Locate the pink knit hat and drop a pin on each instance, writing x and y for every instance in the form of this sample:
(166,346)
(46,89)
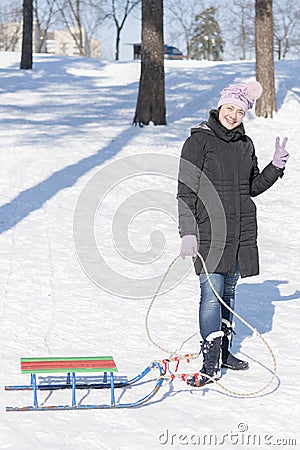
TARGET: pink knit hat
(242,95)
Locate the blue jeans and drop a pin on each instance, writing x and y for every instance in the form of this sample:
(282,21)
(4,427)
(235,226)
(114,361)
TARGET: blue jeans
(211,311)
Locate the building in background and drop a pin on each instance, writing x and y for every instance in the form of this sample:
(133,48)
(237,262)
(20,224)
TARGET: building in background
(11,37)
(61,42)
(58,42)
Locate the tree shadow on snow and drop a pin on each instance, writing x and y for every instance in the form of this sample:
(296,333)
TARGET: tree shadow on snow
(48,78)
(34,197)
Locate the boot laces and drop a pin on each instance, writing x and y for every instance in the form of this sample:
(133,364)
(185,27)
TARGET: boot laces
(205,347)
(228,330)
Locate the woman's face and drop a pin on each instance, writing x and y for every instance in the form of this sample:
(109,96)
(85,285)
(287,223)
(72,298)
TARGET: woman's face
(231,116)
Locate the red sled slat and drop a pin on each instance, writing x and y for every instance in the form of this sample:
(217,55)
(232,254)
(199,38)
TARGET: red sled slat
(67,364)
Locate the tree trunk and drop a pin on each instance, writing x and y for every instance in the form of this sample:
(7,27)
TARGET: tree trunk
(151,104)
(264,49)
(244,35)
(117,49)
(26,58)
(279,49)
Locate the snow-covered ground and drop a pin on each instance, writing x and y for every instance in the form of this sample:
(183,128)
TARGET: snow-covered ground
(82,192)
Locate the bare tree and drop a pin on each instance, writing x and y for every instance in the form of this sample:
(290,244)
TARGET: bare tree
(286,27)
(151,104)
(264,49)
(9,36)
(183,16)
(10,26)
(242,35)
(26,57)
(81,18)
(43,14)
(118,11)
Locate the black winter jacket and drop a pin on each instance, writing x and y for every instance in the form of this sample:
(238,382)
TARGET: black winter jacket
(218,175)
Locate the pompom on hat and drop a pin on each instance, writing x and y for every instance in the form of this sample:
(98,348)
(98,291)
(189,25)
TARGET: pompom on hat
(242,95)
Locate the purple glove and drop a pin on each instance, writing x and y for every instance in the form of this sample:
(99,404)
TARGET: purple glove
(189,246)
(280,155)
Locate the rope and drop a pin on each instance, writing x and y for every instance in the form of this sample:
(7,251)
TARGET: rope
(152,303)
(189,356)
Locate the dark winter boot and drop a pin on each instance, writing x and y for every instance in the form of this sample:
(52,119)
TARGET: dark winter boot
(211,349)
(228,360)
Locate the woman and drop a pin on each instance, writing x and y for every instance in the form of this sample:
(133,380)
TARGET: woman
(218,175)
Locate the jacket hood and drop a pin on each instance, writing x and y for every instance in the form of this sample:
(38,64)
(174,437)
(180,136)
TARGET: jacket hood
(214,126)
